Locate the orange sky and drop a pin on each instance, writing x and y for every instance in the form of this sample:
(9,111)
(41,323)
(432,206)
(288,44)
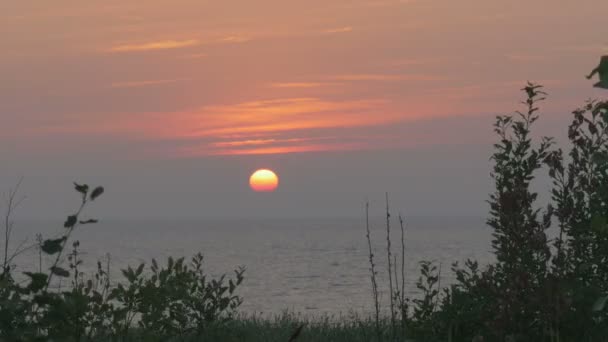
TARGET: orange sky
(239,77)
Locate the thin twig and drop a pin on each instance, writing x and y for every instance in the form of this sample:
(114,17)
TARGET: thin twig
(11,205)
(402,299)
(20,249)
(395,270)
(388,254)
(39,240)
(373,275)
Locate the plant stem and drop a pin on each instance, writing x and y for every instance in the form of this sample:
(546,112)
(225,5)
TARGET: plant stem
(11,204)
(373,276)
(65,240)
(402,299)
(388,254)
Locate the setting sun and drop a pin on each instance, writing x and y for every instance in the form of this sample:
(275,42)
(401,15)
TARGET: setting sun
(264,180)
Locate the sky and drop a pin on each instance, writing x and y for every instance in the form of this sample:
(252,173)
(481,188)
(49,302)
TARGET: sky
(171,105)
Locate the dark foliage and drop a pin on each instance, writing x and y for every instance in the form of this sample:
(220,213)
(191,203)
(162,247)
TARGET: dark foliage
(177,300)
(538,289)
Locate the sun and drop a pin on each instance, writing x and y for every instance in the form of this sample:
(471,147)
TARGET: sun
(264,180)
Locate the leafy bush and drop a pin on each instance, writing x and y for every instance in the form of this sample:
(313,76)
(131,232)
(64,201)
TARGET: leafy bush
(538,289)
(174,301)
(177,300)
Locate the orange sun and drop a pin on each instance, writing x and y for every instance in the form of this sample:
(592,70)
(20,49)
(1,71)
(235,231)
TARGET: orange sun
(264,180)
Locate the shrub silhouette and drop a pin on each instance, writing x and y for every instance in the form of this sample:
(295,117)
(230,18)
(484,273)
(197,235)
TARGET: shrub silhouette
(538,289)
(170,301)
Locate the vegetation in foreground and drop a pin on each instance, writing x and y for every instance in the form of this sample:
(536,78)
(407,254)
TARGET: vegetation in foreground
(539,288)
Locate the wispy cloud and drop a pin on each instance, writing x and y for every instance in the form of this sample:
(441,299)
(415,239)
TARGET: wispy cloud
(249,142)
(386,77)
(300,84)
(235,39)
(156,45)
(195,55)
(270,146)
(284,115)
(280,149)
(280,126)
(376,3)
(261,142)
(284,125)
(178,44)
(137,84)
(339,30)
(340,80)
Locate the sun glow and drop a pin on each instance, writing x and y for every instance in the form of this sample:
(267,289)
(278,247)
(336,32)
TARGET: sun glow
(264,180)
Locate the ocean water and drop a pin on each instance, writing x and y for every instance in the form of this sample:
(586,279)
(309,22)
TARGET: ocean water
(311,266)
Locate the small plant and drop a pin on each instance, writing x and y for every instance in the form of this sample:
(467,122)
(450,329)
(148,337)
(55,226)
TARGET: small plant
(176,300)
(423,321)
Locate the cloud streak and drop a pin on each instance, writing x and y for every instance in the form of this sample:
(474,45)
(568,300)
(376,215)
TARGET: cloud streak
(195,55)
(290,114)
(386,77)
(138,84)
(235,39)
(300,84)
(345,29)
(156,45)
(285,125)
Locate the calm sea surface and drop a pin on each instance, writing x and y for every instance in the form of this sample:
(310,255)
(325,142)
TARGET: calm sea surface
(312,266)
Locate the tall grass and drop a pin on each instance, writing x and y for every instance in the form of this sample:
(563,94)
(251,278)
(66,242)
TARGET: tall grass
(321,328)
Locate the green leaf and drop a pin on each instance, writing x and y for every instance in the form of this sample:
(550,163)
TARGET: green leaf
(97,192)
(38,281)
(129,274)
(600,303)
(60,271)
(139,270)
(82,188)
(70,221)
(52,246)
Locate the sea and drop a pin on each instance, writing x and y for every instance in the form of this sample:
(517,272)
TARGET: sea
(315,267)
